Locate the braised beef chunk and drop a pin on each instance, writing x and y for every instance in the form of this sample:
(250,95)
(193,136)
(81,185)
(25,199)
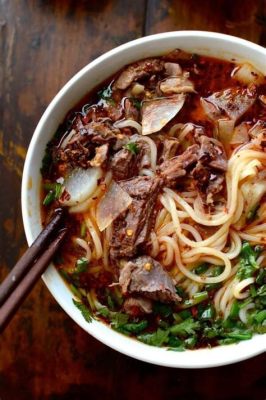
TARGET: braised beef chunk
(130,111)
(137,305)
(209,162)
(125,164)
(76,154)
(177,167)
(138,70)
(132,228)
(101,154)
(209,171)
(208,183)
(102,132)
(98,132)
(145,276)
(80,147)
(212,153)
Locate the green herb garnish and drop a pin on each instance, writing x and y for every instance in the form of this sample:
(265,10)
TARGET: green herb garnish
(261,277)
(208,313)
(215,271)
(234,312)
(162,309)
(196,299)
(75,291)
(132,147)
(136,103)
(84,310)
(136,327)
(54,192)
(157,338)
(260,316)
(46,161)
(200,269)
(106,94)
(248,264)
(239,335)
(185,328)
(261,292)
(191,342)
(49,198)
(81,265)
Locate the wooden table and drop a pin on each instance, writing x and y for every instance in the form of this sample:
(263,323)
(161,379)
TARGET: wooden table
(43,353)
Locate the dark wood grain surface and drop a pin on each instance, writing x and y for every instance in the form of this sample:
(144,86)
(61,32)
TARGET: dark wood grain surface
(43,353)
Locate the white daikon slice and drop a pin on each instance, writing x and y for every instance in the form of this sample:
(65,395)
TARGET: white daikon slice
(113,203)
(80,185)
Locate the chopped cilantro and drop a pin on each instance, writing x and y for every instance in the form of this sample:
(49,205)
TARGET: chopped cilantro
(215,271)
(132,147)
(118,319)
(211,332)
(157,338)
(54,193)
(185,328)
(196,299)
(261,277)
(81,265)
(75,291)
(49,198)
(136,103)
(180,292)
(106,94)
(260,316)
(234,312)
(190,342)
(207,313)
(175,342)
(200,269)
(84,310)
(162,309)
(136,327)
(262,291)
(110,302)
(239,335)
(104,312)
(248,264)
(260,328)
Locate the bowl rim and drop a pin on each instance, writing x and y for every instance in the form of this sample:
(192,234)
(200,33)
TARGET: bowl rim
(139,350)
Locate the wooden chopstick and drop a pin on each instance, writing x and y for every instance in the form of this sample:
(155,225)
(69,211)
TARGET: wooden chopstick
(25,262)
(32,267)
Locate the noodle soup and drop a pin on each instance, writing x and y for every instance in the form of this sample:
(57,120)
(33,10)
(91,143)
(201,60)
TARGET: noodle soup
(161,171)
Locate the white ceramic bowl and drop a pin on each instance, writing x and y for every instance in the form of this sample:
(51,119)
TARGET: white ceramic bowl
(205,43)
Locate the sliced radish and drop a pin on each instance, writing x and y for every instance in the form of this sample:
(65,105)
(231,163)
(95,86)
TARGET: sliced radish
(114,202)
(80,185)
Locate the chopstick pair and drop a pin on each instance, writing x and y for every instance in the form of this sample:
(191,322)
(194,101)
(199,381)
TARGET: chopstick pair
(21,279)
